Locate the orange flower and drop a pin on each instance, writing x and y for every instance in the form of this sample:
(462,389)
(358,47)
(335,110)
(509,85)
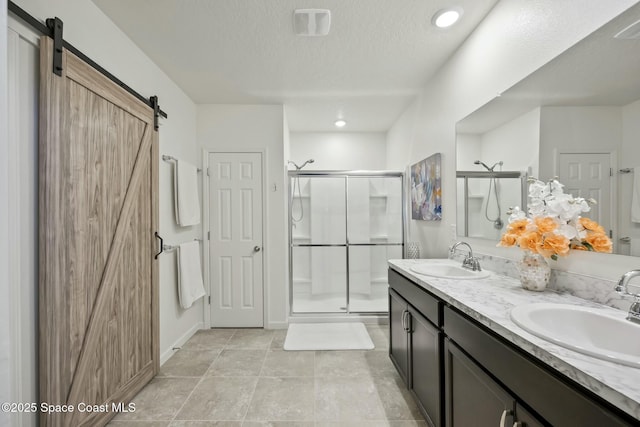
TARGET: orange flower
(545,224)
(508,239)
(591,225)
(555,244)
(518,227)
(530,241)
(579,248)
(599,242)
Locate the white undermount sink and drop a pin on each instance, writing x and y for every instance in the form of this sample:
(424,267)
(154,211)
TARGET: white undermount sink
(447,269)
(590,331)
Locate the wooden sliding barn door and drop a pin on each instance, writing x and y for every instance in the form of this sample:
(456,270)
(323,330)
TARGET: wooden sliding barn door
(98,213)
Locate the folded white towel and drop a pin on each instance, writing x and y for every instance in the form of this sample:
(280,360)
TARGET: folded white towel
(635,197)
(186,193)
(634,247)
(190,284)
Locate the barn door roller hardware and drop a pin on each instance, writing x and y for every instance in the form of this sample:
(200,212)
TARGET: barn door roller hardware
(55,26)
(157,112)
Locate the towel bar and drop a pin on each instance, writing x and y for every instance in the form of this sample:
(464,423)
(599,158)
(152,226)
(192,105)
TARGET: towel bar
(168,248)
(173,159)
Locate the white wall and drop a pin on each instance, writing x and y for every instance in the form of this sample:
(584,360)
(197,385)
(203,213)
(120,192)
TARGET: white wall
(577,128)
(5,392)
(89,30)
(258,127)
(339,150)
(515,39)
(516,143)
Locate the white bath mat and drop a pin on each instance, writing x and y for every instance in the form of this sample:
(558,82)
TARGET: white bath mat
(327,336)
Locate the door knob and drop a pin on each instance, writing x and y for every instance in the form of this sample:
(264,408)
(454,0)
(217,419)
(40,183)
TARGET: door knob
(256,249)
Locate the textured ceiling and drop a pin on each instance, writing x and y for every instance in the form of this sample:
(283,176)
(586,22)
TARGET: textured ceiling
(599,70)
(377,56)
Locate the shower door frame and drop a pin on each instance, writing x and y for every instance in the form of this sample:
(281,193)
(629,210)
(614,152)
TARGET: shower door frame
(346,175)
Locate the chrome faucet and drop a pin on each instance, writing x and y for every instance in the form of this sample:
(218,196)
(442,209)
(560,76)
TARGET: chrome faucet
(622,289)
(470,262)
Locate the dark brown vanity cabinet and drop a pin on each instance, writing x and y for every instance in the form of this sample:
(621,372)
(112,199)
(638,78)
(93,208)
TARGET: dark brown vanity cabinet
(398,336)
(463,374)
(556,400)
(473,398)
(416,346)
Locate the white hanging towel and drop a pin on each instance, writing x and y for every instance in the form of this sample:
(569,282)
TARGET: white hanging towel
(186,193)
(190,284)
(635,197)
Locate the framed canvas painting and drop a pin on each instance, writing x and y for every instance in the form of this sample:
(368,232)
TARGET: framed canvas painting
(426,189)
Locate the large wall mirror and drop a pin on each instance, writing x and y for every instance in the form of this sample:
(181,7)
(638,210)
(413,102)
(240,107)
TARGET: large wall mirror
(577,118)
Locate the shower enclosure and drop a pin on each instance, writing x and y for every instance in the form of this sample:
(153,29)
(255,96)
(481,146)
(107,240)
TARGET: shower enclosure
(343,227)
(484,199)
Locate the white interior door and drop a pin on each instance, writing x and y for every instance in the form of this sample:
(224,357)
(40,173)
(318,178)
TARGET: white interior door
(588,175)
(235,247)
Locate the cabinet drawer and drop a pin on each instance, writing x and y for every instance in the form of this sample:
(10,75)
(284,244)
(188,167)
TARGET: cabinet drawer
(558,400)
(424,302)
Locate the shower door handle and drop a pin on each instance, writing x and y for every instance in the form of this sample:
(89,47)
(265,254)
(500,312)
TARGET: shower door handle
(256,248)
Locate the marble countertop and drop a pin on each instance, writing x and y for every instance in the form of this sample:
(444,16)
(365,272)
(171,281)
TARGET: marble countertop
(489,301)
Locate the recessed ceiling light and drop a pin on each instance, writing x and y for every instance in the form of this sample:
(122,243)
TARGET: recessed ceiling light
(446,17)
(340,123)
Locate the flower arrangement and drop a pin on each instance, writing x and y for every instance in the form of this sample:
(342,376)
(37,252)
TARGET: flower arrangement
(554,224)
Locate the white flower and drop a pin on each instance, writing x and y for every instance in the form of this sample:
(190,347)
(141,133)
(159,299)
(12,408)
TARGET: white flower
(516,214)
(567,230)
(555,188)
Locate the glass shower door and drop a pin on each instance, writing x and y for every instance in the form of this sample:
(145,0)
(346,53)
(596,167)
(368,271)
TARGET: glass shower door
(375,235)
(318,244)
(344,227)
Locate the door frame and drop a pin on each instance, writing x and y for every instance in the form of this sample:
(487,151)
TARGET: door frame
(206,227)
(613,182)
(23,338)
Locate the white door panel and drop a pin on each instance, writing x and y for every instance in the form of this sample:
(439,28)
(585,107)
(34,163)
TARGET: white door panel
(236,261)
(588,175)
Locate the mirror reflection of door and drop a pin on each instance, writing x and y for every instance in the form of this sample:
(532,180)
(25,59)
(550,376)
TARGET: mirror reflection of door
(588,175)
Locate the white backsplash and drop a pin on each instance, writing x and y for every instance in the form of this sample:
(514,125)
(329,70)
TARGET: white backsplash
(583,286)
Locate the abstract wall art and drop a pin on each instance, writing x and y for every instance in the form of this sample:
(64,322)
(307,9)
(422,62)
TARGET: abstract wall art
(426,189)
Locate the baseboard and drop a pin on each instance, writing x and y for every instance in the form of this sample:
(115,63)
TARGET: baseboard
(166,355)
(277,325)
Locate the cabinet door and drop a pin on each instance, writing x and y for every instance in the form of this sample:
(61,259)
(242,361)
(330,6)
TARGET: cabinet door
(426,372)
(399,342)
(472,397)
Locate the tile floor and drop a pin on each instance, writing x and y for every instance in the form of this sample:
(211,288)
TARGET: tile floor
(243,378)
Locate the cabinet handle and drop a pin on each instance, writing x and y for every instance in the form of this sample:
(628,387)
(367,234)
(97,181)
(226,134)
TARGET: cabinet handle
(406,320)
(503,418)
(404,314)
(519,424)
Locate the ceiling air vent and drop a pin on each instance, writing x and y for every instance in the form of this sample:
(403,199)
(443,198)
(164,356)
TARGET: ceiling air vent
(311,22)
(631,32)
